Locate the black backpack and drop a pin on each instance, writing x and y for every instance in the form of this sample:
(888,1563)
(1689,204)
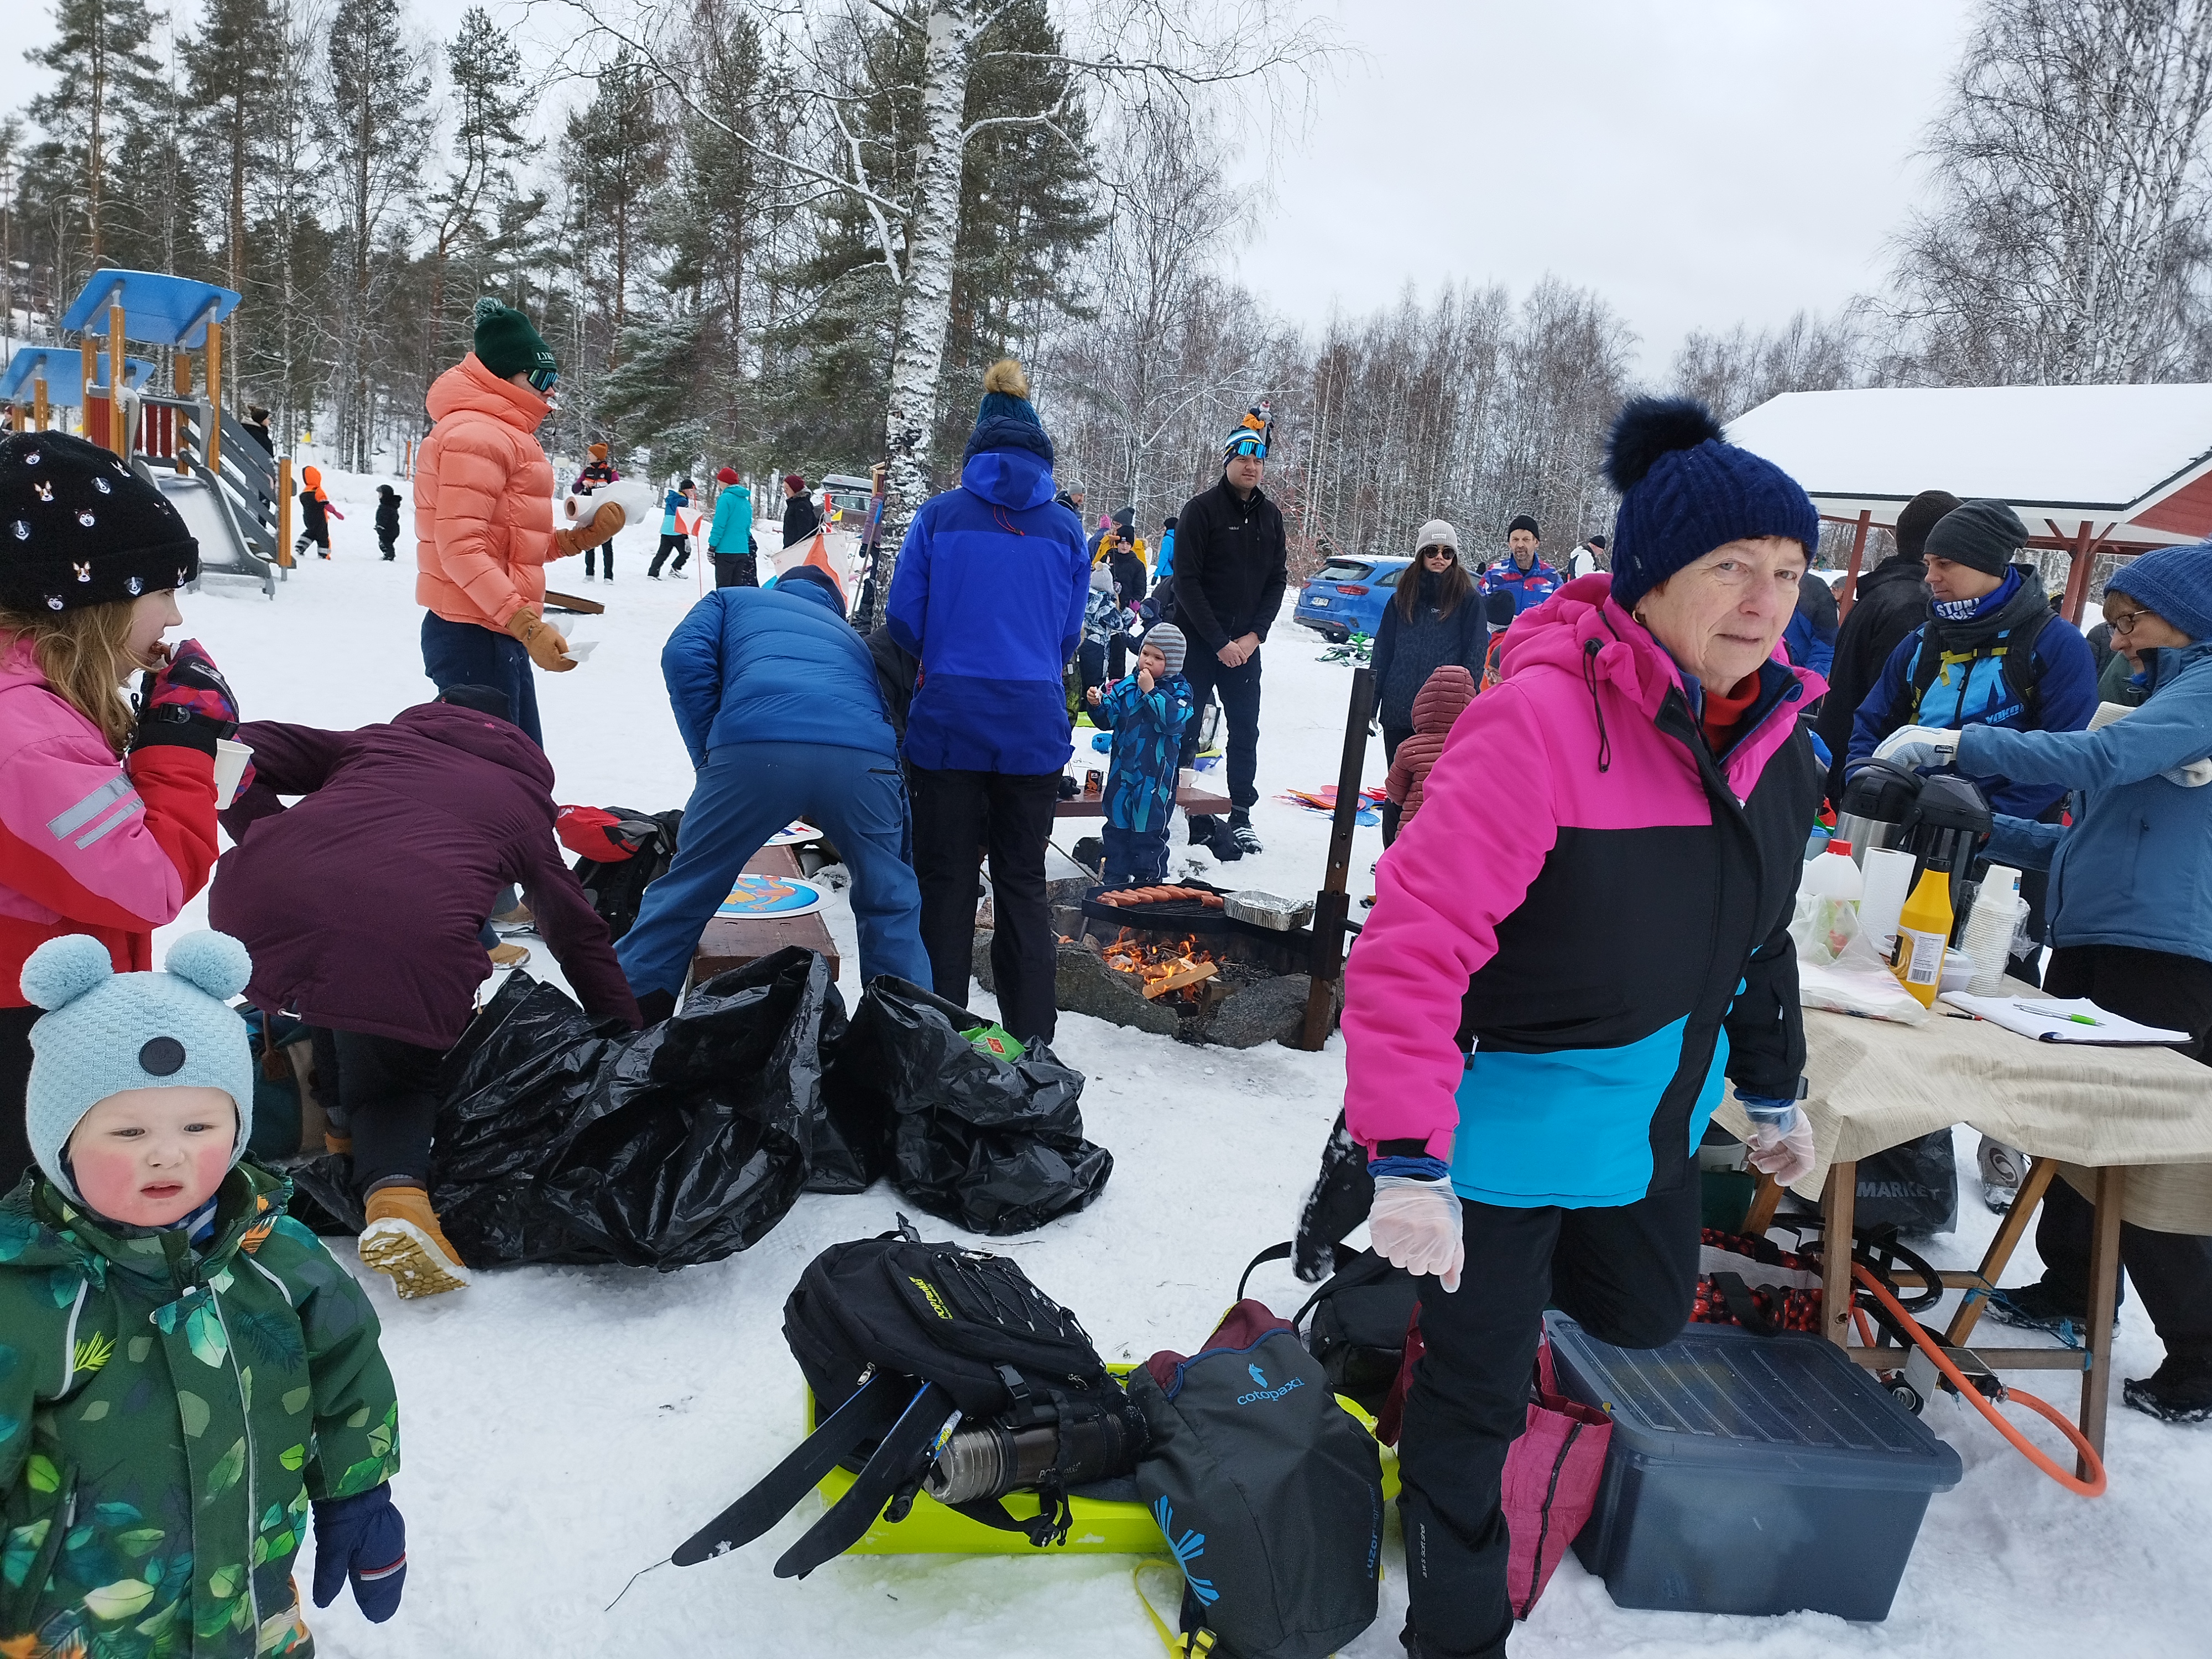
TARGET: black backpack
(616,886)
(952,1365)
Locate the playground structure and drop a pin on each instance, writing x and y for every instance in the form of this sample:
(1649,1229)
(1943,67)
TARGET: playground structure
(233,496)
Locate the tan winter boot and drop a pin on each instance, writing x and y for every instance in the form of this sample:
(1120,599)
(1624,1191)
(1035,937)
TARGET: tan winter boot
(504,955)
(403,1238)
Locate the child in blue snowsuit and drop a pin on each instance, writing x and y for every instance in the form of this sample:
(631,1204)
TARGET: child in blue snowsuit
(672,538)
(1146,713)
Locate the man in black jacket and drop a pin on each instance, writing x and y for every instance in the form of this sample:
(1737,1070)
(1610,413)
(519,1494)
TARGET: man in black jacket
(1231,564)
(1891,602)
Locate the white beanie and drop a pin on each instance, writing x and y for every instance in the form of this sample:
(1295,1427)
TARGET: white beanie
(1436,533)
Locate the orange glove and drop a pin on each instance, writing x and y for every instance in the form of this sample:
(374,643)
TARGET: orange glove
(542,642)
(604,526)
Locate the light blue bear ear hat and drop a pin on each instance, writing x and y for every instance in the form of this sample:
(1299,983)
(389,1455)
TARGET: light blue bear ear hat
(104,1032)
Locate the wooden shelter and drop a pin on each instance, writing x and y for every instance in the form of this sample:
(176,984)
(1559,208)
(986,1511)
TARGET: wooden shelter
(2089,469)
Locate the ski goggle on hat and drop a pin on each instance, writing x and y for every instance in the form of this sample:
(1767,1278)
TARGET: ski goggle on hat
(1248,443)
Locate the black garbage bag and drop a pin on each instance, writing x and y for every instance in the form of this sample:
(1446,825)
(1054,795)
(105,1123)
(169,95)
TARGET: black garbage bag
(559,1140)
(993,1145)
(1912,1187)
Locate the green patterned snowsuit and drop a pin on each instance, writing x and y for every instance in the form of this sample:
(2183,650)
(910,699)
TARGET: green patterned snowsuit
(166,1417)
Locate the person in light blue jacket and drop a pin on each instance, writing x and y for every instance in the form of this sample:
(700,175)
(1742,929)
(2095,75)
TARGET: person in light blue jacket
(2130,925)
(777,701)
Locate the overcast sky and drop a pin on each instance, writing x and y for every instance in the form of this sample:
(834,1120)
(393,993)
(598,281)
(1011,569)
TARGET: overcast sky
(1700,162)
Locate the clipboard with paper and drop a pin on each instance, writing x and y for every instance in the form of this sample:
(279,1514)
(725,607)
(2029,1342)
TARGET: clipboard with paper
(2068,1019)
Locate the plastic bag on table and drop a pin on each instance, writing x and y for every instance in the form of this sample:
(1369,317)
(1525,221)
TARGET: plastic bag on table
(1824,927)
(1846,988)
(993,1145)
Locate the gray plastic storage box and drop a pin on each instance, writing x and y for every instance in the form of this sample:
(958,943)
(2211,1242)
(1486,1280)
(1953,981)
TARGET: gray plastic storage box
(1749,1474)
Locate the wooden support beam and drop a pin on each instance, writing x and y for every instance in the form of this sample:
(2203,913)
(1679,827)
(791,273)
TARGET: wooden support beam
(182,361)
(2077,574)
(284,511)
(1849,592)
(88,355)
(1838,1209)
(1332,905)
(2103,1308)
(213,459)
(119,425)
(41,409)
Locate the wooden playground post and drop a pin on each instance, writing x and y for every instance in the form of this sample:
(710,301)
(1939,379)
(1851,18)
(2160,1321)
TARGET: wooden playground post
(40,409)
(183,364)
(89,353)
(118,427)
(284,511)
(214,456)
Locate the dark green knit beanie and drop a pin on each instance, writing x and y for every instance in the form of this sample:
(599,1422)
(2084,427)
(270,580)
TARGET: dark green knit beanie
(506,345)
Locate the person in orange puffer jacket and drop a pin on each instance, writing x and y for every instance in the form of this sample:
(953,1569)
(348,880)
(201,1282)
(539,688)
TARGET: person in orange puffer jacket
(483,517)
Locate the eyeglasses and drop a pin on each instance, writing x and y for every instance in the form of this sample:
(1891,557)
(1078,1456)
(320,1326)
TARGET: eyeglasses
(2126,621)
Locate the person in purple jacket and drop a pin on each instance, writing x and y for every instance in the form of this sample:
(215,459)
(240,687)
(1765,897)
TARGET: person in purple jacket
(360,905)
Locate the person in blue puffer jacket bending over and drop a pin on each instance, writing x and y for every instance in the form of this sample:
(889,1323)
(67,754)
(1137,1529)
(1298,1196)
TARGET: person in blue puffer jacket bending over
(988,593)
(777,700)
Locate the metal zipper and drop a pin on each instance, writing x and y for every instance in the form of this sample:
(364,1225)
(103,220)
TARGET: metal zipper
(252,1500)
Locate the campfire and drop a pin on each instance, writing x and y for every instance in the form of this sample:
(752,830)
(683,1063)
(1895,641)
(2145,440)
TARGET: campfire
(1164,968)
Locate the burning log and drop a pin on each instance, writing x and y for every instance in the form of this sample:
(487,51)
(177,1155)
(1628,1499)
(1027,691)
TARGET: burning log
(1170,969)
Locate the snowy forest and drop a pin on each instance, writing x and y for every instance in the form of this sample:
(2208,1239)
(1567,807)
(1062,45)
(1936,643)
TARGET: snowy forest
(791,233)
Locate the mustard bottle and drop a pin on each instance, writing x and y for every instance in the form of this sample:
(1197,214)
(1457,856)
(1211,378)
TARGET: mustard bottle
(1923,929)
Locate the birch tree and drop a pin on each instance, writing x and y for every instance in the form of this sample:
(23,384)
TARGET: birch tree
(2069,242)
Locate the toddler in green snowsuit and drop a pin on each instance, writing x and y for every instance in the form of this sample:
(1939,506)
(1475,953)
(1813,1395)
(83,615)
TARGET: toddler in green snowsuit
(184,1371)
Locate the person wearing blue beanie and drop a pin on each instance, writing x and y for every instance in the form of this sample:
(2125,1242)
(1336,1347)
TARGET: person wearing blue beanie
(2131,926)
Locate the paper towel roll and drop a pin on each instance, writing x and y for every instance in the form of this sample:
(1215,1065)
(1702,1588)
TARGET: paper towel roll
(1888,875)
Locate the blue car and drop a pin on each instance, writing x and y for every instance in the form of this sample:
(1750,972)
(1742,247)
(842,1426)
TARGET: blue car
(1347,595)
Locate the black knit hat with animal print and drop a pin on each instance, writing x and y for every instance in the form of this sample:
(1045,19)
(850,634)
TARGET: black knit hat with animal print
(79,528)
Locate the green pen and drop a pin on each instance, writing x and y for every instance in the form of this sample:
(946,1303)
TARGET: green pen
(2078,1019)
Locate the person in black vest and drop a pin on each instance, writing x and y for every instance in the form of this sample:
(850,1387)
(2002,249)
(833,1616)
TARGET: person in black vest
(1231,565)
(801,518)
(1892,600)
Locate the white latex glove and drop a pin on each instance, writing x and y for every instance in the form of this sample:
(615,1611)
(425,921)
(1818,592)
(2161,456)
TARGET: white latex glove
(1919,745)
(1414,1224)
(1781,1145)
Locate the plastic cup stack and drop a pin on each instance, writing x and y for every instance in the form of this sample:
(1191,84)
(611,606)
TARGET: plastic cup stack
(1990,926)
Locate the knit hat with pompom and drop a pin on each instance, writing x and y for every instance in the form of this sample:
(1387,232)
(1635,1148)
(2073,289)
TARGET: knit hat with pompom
(1006,419)
(1684,490)
(104,1032)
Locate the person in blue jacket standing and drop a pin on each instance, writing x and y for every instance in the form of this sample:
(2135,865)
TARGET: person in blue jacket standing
(672,538)
(777,701)
(989,594)
(1810,639)
(1990,653)
(730,538)
(2130,925)
(1521,573)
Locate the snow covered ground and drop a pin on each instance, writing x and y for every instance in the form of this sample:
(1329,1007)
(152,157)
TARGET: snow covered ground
(564,1427)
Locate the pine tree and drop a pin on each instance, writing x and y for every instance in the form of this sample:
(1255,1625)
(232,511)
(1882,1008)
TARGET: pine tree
(489,141)
(615,159)
(233,87)
(103,73)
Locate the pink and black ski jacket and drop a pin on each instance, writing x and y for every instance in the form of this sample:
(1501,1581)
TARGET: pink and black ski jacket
(1587,928)
(90,844)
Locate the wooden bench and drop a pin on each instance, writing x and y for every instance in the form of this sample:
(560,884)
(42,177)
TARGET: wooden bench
(1193,800)
(730,942)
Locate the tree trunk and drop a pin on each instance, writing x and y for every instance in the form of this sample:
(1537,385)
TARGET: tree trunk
(925,304)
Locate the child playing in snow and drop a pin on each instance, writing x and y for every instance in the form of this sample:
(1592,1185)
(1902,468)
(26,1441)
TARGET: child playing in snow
(316,512)
(1443,698)
(388,521)
(672,538)
(91,841)
(599,471)
(1146,713)
(190,1373)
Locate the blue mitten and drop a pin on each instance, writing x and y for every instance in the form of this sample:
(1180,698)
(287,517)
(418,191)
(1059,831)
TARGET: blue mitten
(362,1538)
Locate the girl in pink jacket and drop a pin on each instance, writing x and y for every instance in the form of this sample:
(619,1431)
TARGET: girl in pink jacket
(1583,936)
(106,817)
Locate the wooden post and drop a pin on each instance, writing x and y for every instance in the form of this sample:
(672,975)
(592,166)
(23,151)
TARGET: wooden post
(284,511)
(89,353)
(119,425)
(1851,568)
(184,365)
(1333,905)
(41,410)
(1839,1208)
(213,459)
(2077,573)
(2103,1307)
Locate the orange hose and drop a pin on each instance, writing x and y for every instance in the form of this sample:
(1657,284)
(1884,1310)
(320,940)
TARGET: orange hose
(2093,1487)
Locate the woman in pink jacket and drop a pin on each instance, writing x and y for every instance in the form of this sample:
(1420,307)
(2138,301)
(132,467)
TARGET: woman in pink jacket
(106,817)
(1583,932)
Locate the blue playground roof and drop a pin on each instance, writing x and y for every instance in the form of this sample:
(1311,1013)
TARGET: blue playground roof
(63,367)
(170,311)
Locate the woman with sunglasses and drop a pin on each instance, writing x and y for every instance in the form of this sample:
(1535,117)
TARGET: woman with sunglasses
(2131,924)
(1435,618)
(483,517)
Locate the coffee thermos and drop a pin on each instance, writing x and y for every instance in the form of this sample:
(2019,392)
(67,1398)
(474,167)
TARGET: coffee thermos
(1877,803)
(1950,820)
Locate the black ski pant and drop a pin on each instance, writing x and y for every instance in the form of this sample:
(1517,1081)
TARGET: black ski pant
(386,1097)
(1240,704)
(389,544)
(679,546)
(955,814)
(2172,1272)
(1392,737)
(603,550)
(736,570)
(1628,1274)
(15,1090)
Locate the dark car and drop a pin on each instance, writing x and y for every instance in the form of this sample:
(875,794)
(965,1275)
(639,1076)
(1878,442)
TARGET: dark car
(1347,596)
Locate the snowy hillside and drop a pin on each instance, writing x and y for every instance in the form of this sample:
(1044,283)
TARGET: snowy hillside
(564,1427)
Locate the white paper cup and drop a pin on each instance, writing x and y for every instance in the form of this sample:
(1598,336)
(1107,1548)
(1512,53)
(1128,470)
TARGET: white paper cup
(230,760)
(581,649)
(1187,778)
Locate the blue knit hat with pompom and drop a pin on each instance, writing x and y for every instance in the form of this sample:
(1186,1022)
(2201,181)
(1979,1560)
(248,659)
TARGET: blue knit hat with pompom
(2174,581)
(104,1032)
(1684,490)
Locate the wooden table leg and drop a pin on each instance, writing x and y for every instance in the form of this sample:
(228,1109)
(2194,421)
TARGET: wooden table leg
(2104,1304)
(1766,1199)
(1839,1206)
(2010,1231)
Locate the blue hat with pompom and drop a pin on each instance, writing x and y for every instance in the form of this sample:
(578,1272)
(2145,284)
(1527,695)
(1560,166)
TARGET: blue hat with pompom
(1684,490)
(104,1032)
